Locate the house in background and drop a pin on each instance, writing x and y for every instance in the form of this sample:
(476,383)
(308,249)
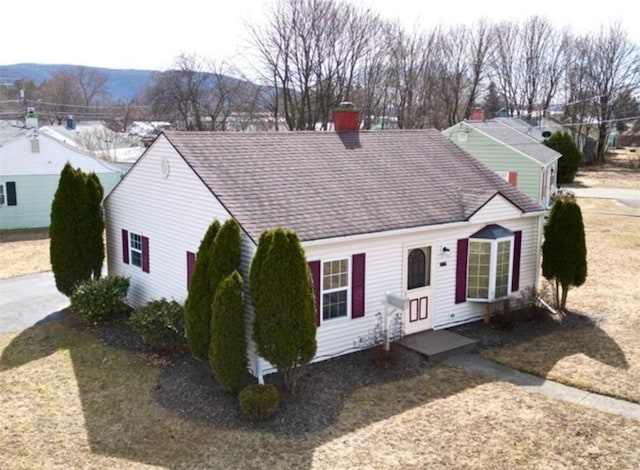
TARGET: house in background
(514,150)
(30,167)
(405,212)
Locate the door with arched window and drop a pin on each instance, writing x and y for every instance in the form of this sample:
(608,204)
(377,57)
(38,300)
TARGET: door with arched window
(418,289)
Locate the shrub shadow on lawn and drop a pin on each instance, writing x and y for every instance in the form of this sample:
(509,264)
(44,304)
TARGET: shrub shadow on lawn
(107,358)
(577,333)
(184,386)
(187,387)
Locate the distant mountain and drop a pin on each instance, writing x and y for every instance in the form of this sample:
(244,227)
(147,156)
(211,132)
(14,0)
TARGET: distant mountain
(122,86)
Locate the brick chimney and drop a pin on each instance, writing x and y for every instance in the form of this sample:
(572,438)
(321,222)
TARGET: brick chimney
(477,114)
(346,117)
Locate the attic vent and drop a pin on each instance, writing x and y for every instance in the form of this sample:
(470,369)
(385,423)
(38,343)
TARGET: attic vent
(35,145)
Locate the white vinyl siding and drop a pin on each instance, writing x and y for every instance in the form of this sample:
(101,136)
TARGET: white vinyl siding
(173,212)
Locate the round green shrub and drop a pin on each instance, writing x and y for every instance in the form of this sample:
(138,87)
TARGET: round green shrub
(259,402)
(101,299)
(160,323)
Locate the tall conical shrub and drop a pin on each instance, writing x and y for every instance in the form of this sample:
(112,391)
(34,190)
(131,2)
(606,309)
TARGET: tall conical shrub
(75,235)
(284,326)
(228,350)
(564,250)
(95,225)
(197,309)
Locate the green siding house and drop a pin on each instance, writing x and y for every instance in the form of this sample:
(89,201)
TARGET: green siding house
(30,167)
(514,150)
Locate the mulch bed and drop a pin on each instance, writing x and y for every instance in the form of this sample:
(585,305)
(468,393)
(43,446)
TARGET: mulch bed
(187,387)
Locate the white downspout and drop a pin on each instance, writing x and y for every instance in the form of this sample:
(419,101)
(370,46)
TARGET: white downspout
(259,374)
(539,252)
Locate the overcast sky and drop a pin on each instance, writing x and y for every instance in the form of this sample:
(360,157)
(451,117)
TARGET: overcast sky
(142,34)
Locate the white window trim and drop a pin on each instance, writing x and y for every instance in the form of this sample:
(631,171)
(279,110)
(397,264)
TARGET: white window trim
(493,267)
(3,199)
(133,250)
(328,291)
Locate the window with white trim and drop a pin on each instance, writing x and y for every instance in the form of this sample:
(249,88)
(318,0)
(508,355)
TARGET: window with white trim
(335,289)
(135,247)
(1,194)
(489,266)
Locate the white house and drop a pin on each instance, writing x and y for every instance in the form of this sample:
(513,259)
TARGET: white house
(404,212)
(30,167)
(515,150)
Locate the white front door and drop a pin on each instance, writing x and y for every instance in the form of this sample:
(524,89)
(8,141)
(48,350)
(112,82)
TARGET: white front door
(418,316)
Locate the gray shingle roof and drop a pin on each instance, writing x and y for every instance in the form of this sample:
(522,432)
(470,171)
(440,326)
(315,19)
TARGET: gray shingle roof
(513,132)
(327,184)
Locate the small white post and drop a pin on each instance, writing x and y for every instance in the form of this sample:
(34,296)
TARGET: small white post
(386,327)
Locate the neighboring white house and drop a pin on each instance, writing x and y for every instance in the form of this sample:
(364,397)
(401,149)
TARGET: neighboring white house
(30,167)
(402,211)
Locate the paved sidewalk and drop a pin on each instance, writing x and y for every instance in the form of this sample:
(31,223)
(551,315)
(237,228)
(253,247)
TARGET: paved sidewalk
(495,371)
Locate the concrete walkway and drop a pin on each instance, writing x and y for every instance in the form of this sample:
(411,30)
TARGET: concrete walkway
(495,371)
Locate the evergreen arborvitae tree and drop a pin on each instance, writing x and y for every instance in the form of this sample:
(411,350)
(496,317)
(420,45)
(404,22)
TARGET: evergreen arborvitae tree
(95,223)
(564,250)
(73,229)
(197,308)
(569,163)
(228,350)
(224,254)
(284,326)
(256,287)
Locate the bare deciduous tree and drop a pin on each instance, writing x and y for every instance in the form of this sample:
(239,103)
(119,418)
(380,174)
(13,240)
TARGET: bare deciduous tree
(92,83)
(613,69)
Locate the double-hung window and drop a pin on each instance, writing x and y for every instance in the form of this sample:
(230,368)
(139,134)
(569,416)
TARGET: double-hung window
(135,246)
(135,250)
(335,289)
(490,261)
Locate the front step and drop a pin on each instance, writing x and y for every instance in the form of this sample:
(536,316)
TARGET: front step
(438,344)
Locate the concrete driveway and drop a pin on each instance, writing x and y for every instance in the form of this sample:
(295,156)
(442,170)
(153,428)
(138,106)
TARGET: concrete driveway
(26,300)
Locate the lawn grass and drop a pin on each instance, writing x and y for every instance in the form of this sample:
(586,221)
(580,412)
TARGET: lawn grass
(25,256)
(68,400)
(620,170)
(605,359)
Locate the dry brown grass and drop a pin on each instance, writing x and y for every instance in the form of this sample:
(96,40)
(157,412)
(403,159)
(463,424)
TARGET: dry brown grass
(621,170)
(604,359)
(68,401)
(24,257)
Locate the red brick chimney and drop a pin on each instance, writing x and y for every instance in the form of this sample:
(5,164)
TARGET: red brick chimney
(477,114)
(346,117)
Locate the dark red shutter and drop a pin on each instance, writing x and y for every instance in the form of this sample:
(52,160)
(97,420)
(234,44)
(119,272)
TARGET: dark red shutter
(461,270)
(191,261)
(513,178)
(125,246)
(357,285)
(12,199)
(517,250)
(314,266)
(145,254)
